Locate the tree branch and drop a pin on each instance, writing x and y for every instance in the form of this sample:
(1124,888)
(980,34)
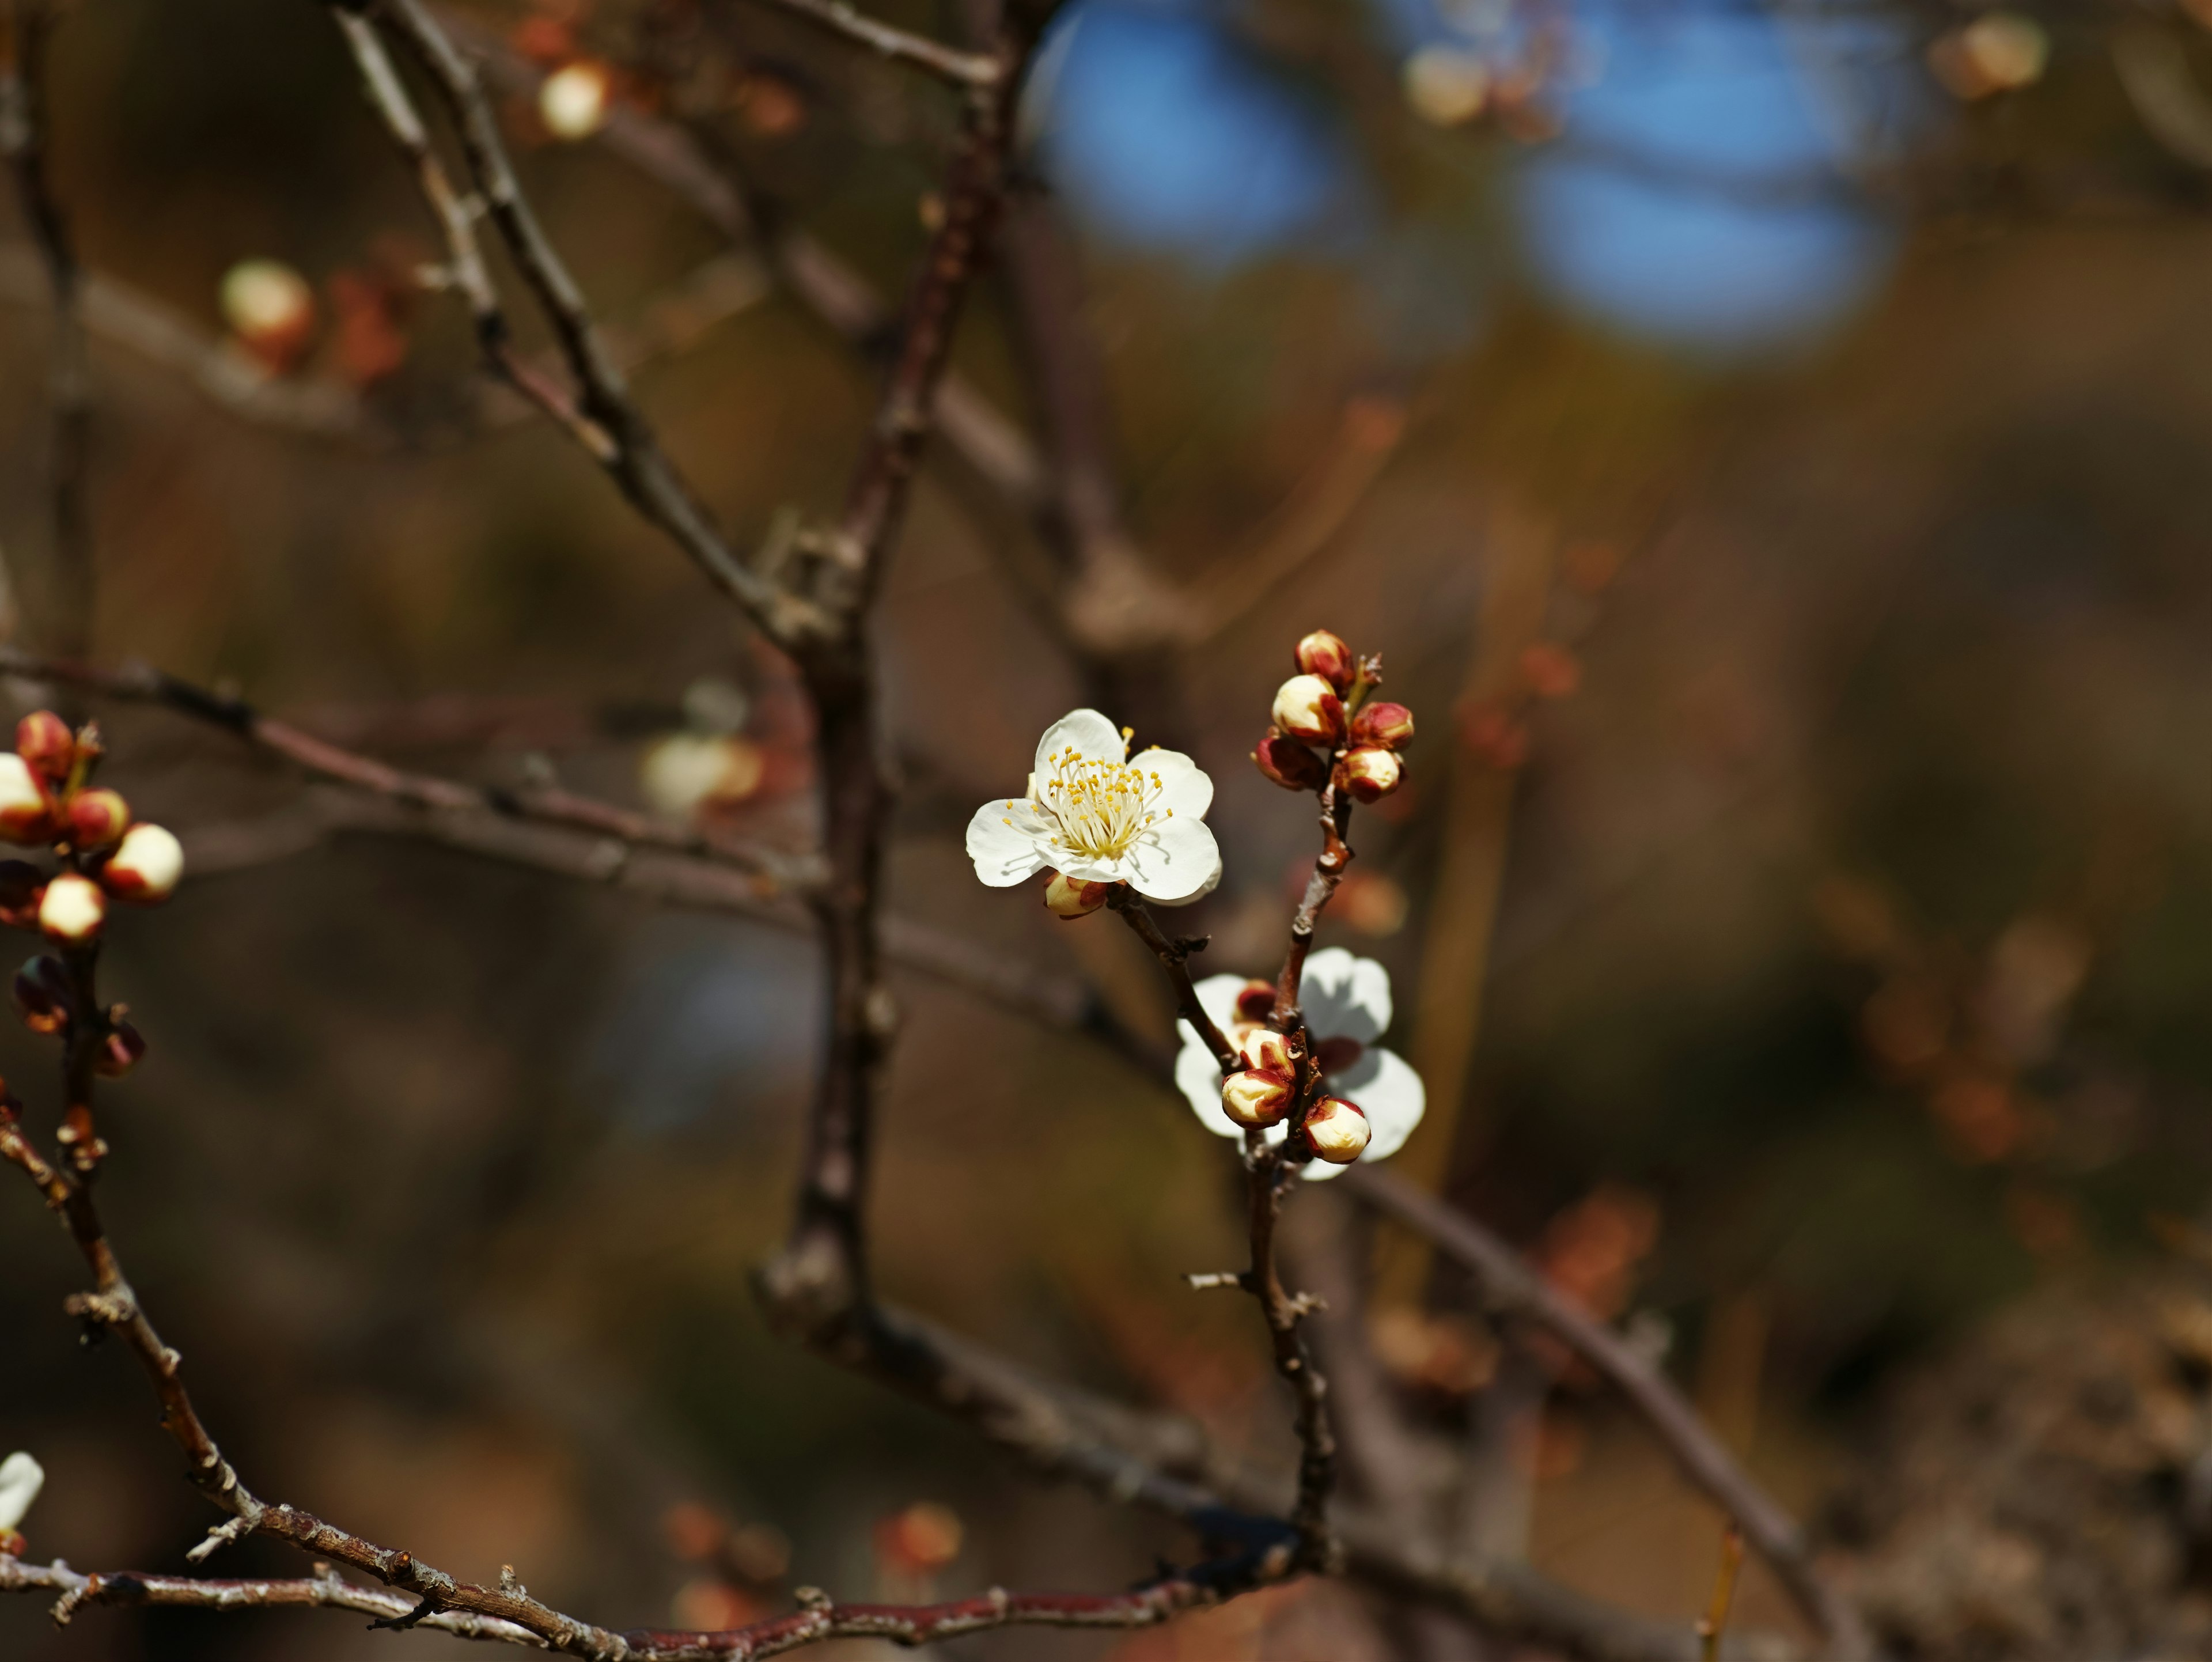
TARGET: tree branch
(978,71)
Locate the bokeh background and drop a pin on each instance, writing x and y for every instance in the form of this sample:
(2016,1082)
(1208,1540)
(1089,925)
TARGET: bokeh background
(1771,448)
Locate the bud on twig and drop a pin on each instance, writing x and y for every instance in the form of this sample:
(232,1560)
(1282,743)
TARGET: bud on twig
(123,1050)
(145,866)
(1256,1097)
(97,818)
(1337,1130)
(1289,764)
(1325,656)
(1382,723)
(1265,1051)
(1370,773)
(1070,897)
(1308,708)
(42,994)
(1255,1000)
(72,909)
(20,1479)
(44,740)
(26,815)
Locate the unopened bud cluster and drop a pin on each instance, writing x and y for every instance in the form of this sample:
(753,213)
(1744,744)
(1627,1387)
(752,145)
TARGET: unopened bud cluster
(1273,1072)
(44,799)
(1326,731)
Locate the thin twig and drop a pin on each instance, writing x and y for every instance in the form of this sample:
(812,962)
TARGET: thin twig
(963,69)
(1174,957)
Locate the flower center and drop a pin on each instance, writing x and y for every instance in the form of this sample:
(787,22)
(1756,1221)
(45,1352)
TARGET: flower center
(1100,807)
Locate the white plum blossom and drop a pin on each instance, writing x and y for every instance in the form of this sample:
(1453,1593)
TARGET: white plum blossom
(1346,1000)
(1095,814)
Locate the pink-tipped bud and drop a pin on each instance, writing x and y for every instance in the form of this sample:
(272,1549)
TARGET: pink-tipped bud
(1256,1097)
(121,1050)
(20,885)
(1255,1000)
(1325,656)
(145,866)
(1289,764)
(1370,772)
(44,740)
(26,815)
(42,994)
(1337,1130)
(1070,897)
(1382,723)
(1308,708)
(1265,1050)
(97,818)
(72,909)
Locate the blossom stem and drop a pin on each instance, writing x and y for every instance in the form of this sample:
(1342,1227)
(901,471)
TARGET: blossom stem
(1329,867)
(1174,957)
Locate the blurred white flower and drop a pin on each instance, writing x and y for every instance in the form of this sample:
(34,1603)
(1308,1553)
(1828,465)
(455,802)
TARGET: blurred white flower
(1095,816)
(572,103)
(1346,1000)
(20,1479)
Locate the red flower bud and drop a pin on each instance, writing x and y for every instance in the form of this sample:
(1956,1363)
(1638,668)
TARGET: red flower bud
(1256,1097)
(1308,708)
(1382,723)
(20,885)
(1265,1051)
(1255,1000)
(1325,656)
(97,818)
(42,994)
(72,909)
(1070,897)
(145,866)
(44,740)
(1370,773)
(1337,1130)
(25,814)
(1550,671)
(121,1049)
(1289,764)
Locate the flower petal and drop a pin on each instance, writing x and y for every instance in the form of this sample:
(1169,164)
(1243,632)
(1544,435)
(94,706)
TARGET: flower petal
(1185,787)
(1008,843)
(1198,1076)
(1217,996)
(1089,734)
(1386,1089)
(1175,861)
(1344,996)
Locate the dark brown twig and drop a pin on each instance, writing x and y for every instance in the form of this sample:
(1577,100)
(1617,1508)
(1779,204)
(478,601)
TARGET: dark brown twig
(1174,957)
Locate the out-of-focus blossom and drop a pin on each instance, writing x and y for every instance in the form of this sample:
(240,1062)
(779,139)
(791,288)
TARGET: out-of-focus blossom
(1445,85)
(1093,815)
(707,1604)
(73,909)
(270,310)
(25,814)
(921,1540)
(1347,1001)
(1371,903)
(22,1477)
(687,771)
(1999,51)
(574,101)
(1549,670)
(145,866)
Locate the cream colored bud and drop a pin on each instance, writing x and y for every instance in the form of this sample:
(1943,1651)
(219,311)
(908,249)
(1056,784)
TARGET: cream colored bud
(97,818)
(269,307)
(687,771)
(1256,1097)
(1325,654)
(573,103)
(1371,773)
(1071,898)
(1308,708)
(1266,1051)
(1338,1130)
(26,816)
(73,908)
(20,1479)
(146,865)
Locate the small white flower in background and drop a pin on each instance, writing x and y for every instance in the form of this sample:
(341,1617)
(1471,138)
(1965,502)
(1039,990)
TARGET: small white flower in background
(572,103)
(20,1479)
(1095,814)
(1346,1000)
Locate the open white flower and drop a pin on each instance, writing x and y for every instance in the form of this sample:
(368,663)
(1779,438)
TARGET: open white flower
(21,1480)
(1095,815)
(1347,1001)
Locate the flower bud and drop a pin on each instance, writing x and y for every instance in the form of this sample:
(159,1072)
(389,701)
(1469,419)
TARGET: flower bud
(121,1050)
(270,309)
(1337,1130)
(1070,897)
(1289,764)
(1382,723)
(573,100)
(98,818)
(44,740)
(1325,656)
(21,1480)
(145,866)
(1256,1097)
(42,994)
(20,885)
(26,816)
(1308,708)
(1265,1051)
(1255,1000)
(1370,773)
(72,909)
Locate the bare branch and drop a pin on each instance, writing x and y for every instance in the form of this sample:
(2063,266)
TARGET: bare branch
(962,68)
(1174,957)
